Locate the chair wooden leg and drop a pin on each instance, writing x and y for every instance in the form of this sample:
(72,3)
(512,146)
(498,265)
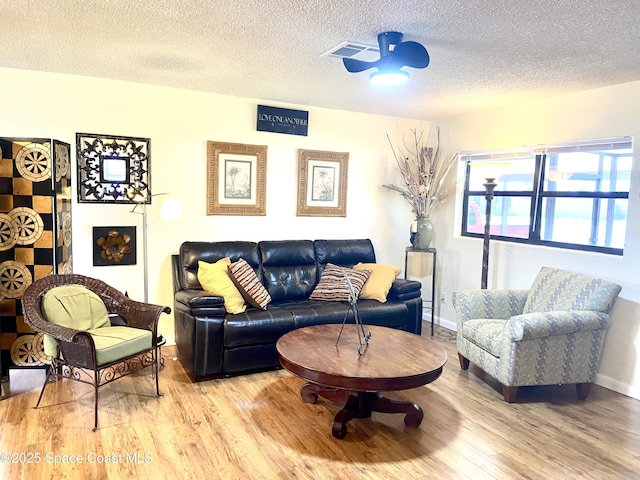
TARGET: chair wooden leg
(464,362)
(509,393)
(582,389)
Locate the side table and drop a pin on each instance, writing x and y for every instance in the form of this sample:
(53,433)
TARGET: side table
(433,252)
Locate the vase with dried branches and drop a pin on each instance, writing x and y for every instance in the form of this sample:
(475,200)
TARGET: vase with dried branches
(424,170)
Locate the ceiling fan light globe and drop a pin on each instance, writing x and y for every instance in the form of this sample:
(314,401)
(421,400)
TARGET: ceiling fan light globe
(389,78)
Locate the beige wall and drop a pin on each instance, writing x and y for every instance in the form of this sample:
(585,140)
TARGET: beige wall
(601,113)
(179,122)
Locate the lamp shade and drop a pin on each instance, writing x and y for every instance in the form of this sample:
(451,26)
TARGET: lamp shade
(170,209)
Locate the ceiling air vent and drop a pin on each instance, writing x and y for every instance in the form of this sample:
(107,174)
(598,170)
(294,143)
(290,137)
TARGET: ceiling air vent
(355,50)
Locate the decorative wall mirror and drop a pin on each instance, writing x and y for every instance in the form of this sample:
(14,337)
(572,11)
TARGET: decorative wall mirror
(113,169)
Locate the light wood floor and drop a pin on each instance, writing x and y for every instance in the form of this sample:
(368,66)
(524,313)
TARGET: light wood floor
(257,427)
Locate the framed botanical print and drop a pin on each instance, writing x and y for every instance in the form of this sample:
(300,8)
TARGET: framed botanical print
(236,179)
(322,183)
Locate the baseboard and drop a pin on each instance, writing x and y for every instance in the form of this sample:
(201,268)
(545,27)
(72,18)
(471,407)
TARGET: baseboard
(426,318)
(617,386)
(171,340)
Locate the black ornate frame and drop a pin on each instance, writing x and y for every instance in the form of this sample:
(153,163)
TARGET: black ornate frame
(93,183)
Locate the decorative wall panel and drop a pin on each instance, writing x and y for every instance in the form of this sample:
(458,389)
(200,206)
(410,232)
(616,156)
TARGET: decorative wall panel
(35,235)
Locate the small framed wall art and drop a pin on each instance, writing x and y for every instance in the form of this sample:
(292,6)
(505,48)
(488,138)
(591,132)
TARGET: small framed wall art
(236,179)
(114,246)
(113,169)
(322,183)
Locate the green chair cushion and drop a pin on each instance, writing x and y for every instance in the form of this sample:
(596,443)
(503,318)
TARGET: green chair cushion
(114,343)
(72,306)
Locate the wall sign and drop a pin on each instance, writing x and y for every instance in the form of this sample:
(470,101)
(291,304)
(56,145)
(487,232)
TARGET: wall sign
(282,120)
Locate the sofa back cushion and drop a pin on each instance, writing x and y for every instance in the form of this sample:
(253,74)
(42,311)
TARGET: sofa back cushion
(555,289)
(289,268)
(210,252)
(345,253)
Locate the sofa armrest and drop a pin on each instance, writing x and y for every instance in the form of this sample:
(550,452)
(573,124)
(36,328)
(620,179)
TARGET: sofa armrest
(497,304)
(200,303)
(402,289)
(198,298)
(548,324)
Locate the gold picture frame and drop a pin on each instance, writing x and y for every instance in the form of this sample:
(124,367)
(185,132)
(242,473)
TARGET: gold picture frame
(322,183)
(236,179)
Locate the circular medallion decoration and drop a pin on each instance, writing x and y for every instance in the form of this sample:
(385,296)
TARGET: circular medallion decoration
(8,232)
(29,224)
(15,277)
(62,161)
(66,229)
(67,267)
(27,351)
(33,162)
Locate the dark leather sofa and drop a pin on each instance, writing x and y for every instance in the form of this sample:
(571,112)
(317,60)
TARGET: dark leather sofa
(212,343)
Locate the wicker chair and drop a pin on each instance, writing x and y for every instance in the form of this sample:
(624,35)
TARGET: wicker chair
(77,357)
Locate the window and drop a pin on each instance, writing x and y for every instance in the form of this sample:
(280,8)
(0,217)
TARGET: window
(570,196)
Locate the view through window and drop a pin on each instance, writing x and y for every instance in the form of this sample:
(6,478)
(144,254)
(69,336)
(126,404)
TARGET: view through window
(571,195)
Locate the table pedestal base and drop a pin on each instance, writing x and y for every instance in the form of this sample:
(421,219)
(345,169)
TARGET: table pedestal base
(360,405)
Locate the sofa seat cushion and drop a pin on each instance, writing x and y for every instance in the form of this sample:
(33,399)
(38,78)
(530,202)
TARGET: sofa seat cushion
(114,343)
(257,326)
(486,334)
(372,312)
(389,314)
(316,312)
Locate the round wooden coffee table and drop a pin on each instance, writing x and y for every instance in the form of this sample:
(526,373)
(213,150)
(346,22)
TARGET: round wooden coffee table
(393,360)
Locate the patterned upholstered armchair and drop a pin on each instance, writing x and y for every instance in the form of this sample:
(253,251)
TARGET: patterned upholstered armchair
(550,334)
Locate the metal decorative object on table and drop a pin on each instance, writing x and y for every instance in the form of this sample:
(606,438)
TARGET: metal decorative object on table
(363,338)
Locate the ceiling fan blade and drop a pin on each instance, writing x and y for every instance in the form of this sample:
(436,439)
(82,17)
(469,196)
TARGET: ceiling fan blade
(411,54)
(354,66)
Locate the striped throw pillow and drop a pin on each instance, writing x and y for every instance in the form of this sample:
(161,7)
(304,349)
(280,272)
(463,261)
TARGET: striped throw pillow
(245,278)
(333,286)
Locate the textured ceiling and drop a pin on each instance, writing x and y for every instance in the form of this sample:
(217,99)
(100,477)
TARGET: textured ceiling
(483,53)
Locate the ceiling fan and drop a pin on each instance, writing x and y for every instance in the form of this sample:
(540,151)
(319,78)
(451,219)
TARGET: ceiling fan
(394,54)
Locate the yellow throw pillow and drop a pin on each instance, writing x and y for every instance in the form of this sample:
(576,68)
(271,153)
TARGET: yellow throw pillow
(379,283)
(214,278)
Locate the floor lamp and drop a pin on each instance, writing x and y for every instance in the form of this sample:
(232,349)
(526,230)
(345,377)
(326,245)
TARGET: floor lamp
(170,209)
(489,186)
(143,212)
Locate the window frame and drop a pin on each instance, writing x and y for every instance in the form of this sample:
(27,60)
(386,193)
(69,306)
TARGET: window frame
(538,193)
